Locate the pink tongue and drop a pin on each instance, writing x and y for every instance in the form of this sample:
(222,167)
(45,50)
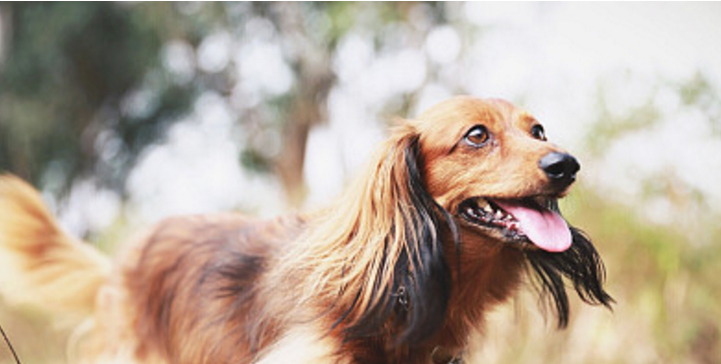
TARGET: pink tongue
(542,226)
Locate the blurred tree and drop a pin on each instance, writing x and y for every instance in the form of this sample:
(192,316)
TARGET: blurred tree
(68,69)
(84,88)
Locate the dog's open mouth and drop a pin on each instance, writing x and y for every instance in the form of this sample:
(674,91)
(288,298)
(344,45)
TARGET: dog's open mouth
(523,221)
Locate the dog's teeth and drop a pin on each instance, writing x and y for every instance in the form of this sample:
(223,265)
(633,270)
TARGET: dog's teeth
(471,211)
(488,208)
(499,215)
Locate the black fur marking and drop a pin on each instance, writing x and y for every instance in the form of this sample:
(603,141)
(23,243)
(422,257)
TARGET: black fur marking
(428,288)
(581,264)
(237,273)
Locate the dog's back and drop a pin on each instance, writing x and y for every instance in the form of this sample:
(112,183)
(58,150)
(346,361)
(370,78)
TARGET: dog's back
(189,283)
(180,285)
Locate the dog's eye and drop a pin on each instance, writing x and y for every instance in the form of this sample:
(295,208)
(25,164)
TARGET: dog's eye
(477,136)
(538,132)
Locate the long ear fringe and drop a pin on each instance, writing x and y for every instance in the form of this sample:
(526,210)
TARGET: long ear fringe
(375,259)
(416,299)
(581,264)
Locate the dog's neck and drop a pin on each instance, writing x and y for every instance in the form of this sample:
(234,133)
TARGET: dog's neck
(488,276)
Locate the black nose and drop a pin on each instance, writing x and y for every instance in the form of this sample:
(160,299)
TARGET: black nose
(560,168)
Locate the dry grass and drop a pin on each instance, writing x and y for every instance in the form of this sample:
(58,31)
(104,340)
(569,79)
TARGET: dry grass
(666,287)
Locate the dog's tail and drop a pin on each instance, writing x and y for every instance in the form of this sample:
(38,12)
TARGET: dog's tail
(40,265)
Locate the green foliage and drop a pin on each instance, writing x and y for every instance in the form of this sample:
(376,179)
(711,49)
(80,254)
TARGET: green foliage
(69,67)
(699,92)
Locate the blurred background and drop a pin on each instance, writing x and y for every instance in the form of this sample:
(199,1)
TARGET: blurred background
(124,113)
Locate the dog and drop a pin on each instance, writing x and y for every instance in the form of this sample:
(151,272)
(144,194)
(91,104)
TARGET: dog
(455,209)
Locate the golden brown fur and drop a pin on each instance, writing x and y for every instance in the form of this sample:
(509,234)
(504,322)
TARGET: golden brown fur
(390,273)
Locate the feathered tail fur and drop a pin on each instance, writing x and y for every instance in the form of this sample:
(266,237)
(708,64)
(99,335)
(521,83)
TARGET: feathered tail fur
(40,265)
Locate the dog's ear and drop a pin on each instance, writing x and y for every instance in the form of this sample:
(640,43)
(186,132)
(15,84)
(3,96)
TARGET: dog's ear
(407,279)
(581,264)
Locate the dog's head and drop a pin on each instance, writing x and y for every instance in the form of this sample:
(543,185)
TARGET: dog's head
(490,165)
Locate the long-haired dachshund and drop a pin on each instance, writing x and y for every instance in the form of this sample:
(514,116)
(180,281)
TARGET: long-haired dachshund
(454,209)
